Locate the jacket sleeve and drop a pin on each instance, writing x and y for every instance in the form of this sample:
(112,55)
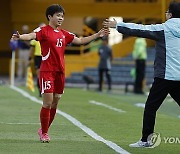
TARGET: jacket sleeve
(153,32)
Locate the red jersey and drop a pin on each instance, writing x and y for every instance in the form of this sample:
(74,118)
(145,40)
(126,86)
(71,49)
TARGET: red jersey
(53,43)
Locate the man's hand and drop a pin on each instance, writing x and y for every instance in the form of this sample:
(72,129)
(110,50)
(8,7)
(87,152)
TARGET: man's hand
(109,24)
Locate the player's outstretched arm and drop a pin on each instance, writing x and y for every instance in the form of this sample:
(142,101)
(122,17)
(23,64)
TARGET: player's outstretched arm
(109,24)
(25,37)
(138,30)
(85,40)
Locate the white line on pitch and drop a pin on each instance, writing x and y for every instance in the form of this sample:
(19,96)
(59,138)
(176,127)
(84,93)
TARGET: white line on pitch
(77,123)
(140,105)
(106,106)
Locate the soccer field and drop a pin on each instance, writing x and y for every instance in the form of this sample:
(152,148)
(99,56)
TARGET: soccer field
(112,118)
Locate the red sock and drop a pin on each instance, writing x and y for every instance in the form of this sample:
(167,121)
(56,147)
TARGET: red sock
(52,115)
(44,118)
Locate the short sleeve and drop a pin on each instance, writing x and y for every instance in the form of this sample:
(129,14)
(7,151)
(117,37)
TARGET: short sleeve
(39,33)
(68,36)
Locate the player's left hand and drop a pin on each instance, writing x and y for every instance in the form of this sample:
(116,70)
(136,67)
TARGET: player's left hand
(103,32)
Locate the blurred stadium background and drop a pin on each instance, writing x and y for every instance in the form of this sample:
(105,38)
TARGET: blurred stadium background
(84,18)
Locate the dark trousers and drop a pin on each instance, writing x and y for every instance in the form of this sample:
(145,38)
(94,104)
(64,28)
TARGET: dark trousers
(140,74)
(108,76)
(158,92)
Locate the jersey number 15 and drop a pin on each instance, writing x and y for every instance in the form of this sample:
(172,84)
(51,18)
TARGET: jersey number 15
(59,42)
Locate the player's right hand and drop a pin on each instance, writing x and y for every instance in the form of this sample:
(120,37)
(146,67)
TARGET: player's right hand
(15,36)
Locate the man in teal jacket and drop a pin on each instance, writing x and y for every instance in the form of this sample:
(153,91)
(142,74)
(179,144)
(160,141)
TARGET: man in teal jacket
(166,64)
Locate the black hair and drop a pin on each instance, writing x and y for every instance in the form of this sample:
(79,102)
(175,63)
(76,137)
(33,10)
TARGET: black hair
(174,8)
(54,8)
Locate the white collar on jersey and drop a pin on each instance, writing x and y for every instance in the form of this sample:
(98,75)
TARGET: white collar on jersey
(56,30)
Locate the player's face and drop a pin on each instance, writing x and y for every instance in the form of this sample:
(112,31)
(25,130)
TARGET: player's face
(57,19)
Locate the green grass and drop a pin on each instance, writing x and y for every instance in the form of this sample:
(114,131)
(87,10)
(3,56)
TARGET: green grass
(120,128)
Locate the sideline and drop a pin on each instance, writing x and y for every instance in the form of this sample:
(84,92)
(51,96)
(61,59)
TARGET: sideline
(77,123)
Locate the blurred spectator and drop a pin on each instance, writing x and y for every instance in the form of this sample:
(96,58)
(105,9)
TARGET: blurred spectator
(23,55)
(140,56)
(94,45)
(105,53)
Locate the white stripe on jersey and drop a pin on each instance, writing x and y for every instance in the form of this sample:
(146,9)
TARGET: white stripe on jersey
(37,29)
(42,87)
(47,56)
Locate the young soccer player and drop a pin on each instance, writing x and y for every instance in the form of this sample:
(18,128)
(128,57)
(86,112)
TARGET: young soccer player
(166,65)
(53,41)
